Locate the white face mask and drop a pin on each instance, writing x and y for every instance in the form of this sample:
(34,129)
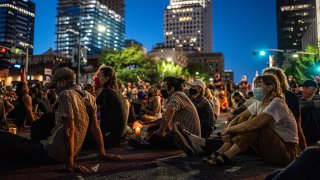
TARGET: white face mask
(258,94)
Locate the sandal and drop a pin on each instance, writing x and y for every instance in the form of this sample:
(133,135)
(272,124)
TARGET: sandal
(222,160)
(209,159)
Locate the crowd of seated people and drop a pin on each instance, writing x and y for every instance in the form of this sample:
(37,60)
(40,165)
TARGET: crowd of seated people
(177,115)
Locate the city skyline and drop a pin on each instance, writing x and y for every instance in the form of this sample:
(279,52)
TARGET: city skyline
(239,27)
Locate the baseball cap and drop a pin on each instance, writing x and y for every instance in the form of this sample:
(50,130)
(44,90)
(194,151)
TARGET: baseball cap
(60,74)
(198,82)
(309,83)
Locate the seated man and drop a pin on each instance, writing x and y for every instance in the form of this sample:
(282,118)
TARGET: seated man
(65,141)
(204,109)
(178,108)
(310,112)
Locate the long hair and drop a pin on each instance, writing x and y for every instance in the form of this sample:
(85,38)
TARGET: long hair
(174,82)
(279,74)
(276,88)
(108,71)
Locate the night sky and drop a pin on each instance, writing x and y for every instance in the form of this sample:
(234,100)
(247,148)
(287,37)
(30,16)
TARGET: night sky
(239,27)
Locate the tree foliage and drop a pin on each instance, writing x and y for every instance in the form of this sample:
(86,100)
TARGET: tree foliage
(303,67)
(194,67)
(130,64)
(165,69)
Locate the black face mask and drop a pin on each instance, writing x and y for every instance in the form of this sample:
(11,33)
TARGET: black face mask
(193,91)
(237,100)
(164,93)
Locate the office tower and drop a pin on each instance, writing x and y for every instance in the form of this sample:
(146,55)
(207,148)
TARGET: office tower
(293,19)
(17,25)
(98,24)
(188,25)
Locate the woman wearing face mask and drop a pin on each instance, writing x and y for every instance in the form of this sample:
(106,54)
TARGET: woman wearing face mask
(291,99)
(152,110)
(112,108)
(273,131)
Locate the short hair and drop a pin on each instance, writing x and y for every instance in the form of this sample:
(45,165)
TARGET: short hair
(174,82)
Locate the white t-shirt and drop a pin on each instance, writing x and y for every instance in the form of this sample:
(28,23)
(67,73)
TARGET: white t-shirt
(284,123)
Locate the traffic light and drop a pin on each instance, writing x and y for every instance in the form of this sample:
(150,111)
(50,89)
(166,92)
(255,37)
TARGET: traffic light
(262,53)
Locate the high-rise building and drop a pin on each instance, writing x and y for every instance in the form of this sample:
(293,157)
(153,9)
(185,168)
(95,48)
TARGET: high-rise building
(188,25)
(293,19)
(17,25)
(98,24)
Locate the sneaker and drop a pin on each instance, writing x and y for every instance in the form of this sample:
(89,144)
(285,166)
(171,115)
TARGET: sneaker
(182,143)
(193,140)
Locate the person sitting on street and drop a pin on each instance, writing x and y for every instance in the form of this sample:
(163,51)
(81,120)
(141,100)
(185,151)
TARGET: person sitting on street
(178,108)
(310,105)
(291,99)
(65,141)
(213,101)
(152,110)
(224,105)
(269,126)
(204,109)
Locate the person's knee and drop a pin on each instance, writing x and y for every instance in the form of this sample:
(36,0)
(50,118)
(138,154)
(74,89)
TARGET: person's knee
(311,153)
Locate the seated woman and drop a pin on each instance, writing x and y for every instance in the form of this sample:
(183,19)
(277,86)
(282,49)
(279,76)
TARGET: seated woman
(152,109)
(273,131)
(267,124)
(224,105)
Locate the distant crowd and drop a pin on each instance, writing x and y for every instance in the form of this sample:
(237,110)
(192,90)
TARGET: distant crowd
(273,117)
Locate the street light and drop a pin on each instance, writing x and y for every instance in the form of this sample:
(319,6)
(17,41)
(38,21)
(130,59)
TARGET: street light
(169,60)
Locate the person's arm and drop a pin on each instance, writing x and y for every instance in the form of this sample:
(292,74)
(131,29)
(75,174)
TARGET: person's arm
(166,119)
(8,107)
(245,115)
(68,125)
(28,105)
(256,123)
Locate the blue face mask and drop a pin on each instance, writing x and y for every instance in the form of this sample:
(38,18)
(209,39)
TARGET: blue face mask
(258,94)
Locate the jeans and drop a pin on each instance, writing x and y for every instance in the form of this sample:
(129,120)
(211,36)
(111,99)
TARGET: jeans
(306,166)
(16,148)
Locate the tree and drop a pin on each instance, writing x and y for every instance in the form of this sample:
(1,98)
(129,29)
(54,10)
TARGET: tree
(130,64)
(165,69)
(303,67)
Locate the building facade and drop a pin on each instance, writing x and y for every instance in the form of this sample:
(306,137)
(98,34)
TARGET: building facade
(188,25)
(312,34)
(17,25)
(212,62)
(293,19)
(97,24)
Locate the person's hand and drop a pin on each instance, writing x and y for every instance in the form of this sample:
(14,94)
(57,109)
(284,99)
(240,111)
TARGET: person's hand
(77,169)
(225,131)
(226,138)
(112,157)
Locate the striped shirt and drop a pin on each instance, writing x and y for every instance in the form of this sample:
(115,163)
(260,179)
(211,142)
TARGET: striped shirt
(71,106)
(186,113)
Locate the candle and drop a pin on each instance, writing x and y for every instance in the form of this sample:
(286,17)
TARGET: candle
(137,131)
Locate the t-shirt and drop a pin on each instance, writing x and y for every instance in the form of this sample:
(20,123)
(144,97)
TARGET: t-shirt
(284,122)
(71,105)
(186,113)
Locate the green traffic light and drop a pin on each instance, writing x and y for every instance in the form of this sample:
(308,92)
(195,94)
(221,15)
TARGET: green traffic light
(318,68)
(262,53)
